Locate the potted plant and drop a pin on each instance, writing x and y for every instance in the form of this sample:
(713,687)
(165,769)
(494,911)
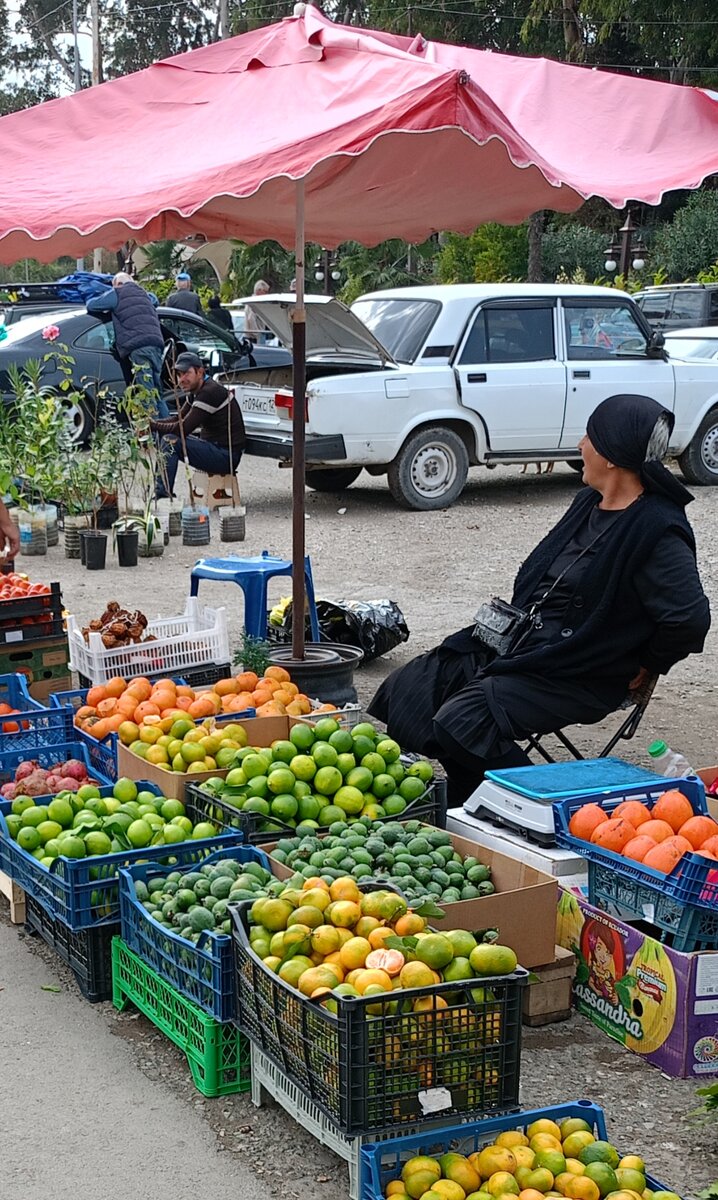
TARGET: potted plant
(36,434)
(140,464)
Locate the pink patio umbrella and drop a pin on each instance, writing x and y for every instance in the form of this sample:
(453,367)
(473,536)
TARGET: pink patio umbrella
(354,134)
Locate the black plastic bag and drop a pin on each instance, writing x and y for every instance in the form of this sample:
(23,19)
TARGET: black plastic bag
(374,626)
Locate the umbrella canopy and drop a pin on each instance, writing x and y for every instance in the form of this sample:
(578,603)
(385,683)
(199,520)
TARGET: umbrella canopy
(392,137)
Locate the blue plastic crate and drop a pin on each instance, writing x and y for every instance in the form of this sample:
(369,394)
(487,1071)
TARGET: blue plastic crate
(687,883)
(47,756)
(382,1161)
(83,892)
(203,973)
(684,926)
(14,691)
(38,727)
(103,752)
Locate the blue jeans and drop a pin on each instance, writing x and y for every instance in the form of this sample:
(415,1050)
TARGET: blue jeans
(148,360)
(204,456)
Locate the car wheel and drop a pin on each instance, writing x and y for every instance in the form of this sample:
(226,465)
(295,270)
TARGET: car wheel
(699,461)
(430,470)
(79,419)
(333,480)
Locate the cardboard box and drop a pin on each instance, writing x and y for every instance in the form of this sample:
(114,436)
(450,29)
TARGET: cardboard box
(566,865)
(41,662)
(261,731)
(709,775)
(547,998)
(523,908)
(42,689)
(659,1003)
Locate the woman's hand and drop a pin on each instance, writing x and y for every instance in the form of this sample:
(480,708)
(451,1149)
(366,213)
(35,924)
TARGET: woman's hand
(9,535)
(639,680)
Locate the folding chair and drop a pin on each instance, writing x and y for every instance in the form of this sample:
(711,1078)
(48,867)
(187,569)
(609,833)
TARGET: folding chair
(637,702)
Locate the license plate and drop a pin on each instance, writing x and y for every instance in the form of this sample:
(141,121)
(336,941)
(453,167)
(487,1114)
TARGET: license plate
(263,404)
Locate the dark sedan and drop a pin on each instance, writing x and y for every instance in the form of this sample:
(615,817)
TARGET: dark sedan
(97,368)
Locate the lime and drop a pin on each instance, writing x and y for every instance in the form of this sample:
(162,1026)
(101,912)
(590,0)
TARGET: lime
(302,736)
(324,755)
(346,763)
(383,785)
(303,766)
(394,805)
(601,1173)
(204,829)
(600,1152)
(301,789)
(96,805)
(411,788)
(462,941)
(192,752)
(364,729)
(328,780)
(34,816)
(258,785)
(172,808)
(280,781)
(349,799)
(20,803)
(28,838)
(284,807)
(342,741)
(14,824)
(374,763)
(235,778)
(329,814)
(183,823)
(309,808)
(173,833)
(48,830)
(422,769)
(139,833)
(283,751)
(458,968)
(73,847)
(253,765)
(362,746)
(181,726)
(360,778)
(325,727)
(389,749)
(257,804)
(396,770)
(98,842)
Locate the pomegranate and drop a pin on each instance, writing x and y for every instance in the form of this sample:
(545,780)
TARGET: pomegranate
(74,769)
(24,769)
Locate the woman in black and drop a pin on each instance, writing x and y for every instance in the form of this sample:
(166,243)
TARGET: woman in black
(619,597)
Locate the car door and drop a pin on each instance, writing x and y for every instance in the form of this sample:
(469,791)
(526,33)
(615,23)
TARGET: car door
(96,362)
(509,373)
(606,350)
(202,339)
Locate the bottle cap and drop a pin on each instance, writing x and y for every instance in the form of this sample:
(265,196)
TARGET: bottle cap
(656,749)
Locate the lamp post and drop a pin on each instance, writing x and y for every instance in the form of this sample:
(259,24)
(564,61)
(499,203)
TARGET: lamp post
(626,251)
(327,272)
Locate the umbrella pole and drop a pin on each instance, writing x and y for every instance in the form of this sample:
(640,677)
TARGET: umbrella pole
(299,343)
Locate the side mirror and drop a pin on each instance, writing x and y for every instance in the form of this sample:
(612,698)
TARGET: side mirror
(656,343)
(215,360)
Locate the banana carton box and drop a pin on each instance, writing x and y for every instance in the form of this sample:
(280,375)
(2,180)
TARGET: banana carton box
(657,1002)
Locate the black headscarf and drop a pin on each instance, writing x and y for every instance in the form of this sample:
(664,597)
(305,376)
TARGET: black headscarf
(621,428)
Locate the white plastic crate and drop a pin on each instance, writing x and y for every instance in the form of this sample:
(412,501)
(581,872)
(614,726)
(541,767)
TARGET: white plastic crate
(196,638)
(266,1076)
(348,716)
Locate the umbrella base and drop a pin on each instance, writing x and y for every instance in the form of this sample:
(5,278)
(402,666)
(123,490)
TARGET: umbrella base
(326,672)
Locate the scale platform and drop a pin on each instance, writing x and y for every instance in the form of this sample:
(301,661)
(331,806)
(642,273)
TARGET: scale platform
(521,798)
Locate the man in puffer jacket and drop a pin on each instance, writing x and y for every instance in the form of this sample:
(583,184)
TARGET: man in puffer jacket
(138,334)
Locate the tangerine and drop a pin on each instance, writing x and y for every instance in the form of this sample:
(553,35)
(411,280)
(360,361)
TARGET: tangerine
(638,847)
(366,977)
(586,820)
(146,708)
(354,953)
(115,686)
(408,924)
(633,811)
(378,936)
(698,830)
(613,834)
(658,830)
(674,808)
(390,961)
(95,695)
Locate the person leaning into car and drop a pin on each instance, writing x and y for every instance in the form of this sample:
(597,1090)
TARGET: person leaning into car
(208,410)
(138,333)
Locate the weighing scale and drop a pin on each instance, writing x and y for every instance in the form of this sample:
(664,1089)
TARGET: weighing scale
(521,798)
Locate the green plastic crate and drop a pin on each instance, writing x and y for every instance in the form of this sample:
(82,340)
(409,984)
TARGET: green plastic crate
(218,1055)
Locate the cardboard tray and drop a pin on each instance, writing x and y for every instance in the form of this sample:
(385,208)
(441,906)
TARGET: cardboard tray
(523,908)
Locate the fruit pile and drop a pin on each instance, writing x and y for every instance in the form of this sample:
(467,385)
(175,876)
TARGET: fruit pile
(198,900)
(330,940)
(6,710)
(82,823)
(119,627)
(272,694)
(547,1160)
(33,780)
(320,775)
(658,837)
(419,858)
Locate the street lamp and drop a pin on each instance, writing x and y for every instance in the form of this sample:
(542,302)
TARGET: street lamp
(627,250)
(326,271)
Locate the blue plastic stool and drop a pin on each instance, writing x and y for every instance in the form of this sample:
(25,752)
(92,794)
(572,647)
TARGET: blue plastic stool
(252,575)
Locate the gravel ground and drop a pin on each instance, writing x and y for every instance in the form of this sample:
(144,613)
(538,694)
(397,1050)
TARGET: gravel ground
(437,566)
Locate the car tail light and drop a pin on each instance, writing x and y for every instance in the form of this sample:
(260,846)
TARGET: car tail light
(285,400)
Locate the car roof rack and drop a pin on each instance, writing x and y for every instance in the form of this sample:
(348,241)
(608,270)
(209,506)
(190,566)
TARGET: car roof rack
(31,293)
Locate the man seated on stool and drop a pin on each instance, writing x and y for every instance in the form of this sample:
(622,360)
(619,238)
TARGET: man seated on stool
(208,411)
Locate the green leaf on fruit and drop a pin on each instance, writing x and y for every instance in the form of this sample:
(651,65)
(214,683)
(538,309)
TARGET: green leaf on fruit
(427,908)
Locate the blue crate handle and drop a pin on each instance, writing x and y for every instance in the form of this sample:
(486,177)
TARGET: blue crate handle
(372,1153)
(14,691)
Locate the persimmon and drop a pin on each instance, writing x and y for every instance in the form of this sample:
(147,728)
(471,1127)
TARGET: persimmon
(638,847)
(658,830)
(672,807)
(279,673)
(633,811)
(585,820)
(115,686)
(613,834)
(85,711)
(698,830)
(96,694)
(226,687)
(106,707)
(247,681)
(664,857)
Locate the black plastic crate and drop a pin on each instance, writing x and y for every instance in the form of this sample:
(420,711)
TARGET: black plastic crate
(32,618)
(87,953)
(430,809)
(376,1064)
(194,677)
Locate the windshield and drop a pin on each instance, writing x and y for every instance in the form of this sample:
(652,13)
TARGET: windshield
(402,325)
(684,347)
(30,325)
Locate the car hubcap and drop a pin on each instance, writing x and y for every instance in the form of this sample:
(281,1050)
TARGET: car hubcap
(75,421)
(709,450)
(433,470)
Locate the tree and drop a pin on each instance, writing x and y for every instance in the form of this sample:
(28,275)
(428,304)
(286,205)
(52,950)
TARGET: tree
(490,254)
(569,247)
(688,244)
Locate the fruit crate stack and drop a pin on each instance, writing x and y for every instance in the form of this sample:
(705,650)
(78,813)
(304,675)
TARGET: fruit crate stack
(666,882)
(35,617)
(183,979)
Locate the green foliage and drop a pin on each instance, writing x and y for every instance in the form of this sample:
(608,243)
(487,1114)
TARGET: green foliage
(390,264)
(264,260)
(491,254)
(253,654)
(163,289)
(568,247)
(38,433)
(688,245)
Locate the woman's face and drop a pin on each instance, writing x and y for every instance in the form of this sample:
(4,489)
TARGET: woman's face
(595,467)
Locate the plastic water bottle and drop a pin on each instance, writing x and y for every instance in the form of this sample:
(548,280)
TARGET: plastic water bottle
(669,762)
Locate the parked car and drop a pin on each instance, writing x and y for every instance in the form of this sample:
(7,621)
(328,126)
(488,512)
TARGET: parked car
(693,343)
(679,305)
(97,369)
(19,301)
(421,383)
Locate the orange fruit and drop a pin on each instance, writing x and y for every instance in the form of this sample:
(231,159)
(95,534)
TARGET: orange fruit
(354,953)
(127,704)
(658,830)
(100,729)
(586,820)
(366,977)
(106,707)
(140,687)
(146,708)
(85,711)
(613,834)
(664,857)
(710,846)
(672,807)
(183,689)
(387,960)
(115,686)
(409,924)
(247,681)
(203,707)
(698,830)
(633,811)
(377,937)
(638,847)
(96,694)
(345,889)
(226,687)
(278,673)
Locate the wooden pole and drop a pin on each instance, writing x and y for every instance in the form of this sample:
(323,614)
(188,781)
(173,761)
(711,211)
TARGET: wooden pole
(299,346)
